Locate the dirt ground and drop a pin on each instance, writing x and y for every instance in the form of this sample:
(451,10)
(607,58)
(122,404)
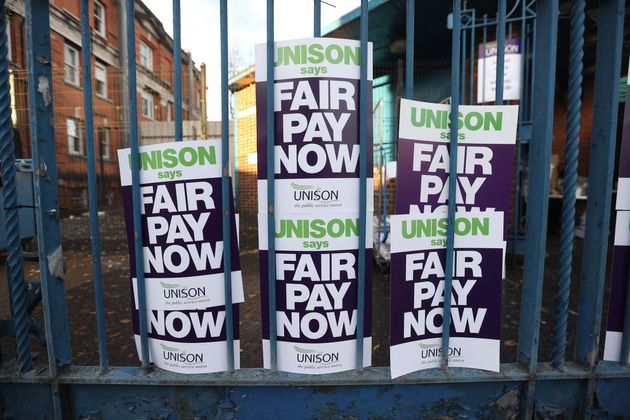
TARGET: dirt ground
(115,266)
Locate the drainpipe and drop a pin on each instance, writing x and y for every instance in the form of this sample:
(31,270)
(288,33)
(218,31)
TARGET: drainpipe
(204,109)
(191,115)
(122,56)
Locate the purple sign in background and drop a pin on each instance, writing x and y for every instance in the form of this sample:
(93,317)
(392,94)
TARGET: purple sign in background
(486,293)
(350,132)
(494,193)
(349,300)
(512,46)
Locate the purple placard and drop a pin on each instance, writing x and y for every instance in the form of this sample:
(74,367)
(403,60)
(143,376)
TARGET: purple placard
(316,143)
(618,287)
(345,289)
(331,149)
(487,186)
(181,221)
(204,251)
(478,305)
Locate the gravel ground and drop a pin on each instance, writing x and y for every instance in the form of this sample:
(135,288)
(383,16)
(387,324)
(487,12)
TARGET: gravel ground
(115,266)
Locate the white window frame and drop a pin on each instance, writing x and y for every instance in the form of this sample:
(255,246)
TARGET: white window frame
(100,69)
(169,111)
(150,108)
(102,31)
(104,143)
(73,140)
(68,51)
(146,56)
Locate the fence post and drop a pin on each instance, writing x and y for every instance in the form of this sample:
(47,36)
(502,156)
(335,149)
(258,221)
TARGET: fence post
(452,181)
(225,188)
(86,41)
(576,54)
(602,161)
(40,90)
(14,262)
(271,190)
(177,67)
(538,195)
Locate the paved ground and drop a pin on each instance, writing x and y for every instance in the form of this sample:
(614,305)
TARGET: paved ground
(82,322)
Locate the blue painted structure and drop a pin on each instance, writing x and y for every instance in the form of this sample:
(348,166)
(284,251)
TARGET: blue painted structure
(25,197)
(585,387)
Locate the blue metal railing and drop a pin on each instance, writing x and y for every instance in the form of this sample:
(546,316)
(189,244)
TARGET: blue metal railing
(95,235)
(452,181)
(528,375)
(135,182)
(576,54)
(225,188)
(271,210)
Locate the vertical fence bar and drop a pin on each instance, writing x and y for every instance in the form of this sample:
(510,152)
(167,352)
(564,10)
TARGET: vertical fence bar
(40,92)
(237,198)
(485,40)
(462,74)
(14,262)
(521,118)
(177,67)
(452,181)
(271,190)
(498,99)
(576,54)
(472,58)
(317,18)
(602,159)
(95,236)
(538,200)
(135,181)
(45,182)
(409,53)
(363,124)
(225,185)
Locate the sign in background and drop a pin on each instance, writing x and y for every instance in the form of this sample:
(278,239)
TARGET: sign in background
(316,149)
(182,233)
(487,71)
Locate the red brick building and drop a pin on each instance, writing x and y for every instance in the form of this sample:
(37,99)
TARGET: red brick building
(155,95)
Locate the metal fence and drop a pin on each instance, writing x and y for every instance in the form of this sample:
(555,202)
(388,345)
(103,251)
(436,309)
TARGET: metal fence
(585,386)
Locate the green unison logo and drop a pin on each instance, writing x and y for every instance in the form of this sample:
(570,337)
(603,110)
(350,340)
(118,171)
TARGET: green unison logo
(178,291)
(304,355)
(181,356)
(435,350)
(302,193)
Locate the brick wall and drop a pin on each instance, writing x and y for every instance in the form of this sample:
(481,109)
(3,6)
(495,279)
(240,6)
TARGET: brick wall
(247,172)
(107,109)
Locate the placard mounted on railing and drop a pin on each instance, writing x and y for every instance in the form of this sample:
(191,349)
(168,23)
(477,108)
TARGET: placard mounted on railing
(485,157)
(316,109)
(417,293)
(486,139)
(182,234)
(487,71)
(621,251)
